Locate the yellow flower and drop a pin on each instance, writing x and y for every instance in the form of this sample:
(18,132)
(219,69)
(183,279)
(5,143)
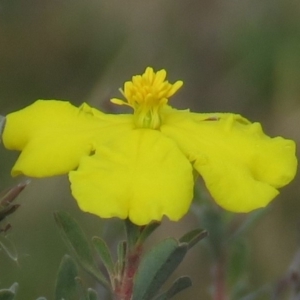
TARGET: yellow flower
(141,165)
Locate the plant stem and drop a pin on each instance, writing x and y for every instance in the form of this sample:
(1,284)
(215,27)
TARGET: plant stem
(125,288)
(219,281)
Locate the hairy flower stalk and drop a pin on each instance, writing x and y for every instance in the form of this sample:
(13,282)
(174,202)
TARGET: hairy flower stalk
(124,287)
(140,166)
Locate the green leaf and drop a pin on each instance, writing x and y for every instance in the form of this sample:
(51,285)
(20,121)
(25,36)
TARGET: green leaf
(66,286)
(74,237)
(7,295)
(132,232)
(92,294)
(179,285)
(156,267)
(193,237)
(82,293)
(78,244)
(104,253)
(122,250)
(147,231)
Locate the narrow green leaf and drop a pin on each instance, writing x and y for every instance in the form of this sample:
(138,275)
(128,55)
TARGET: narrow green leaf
(74,237)
(78,244)
(41,298)
(156,267)
(81,292)
(147,231)
(6,295)
(122,250)
(193,237)
(179,285)
(92,294)
(104,253)
(132,232)
(66,286)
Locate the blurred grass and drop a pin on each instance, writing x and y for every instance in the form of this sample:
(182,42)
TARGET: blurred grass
(241,57)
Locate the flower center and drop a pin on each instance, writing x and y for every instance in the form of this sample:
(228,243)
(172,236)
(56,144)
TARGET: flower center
(147,94)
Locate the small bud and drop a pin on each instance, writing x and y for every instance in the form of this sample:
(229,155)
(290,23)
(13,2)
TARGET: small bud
(6,199)
(9,195)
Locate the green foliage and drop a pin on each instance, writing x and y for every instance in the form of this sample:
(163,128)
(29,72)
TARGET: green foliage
(147,231)
(193,237)
(105,255)
(160,262)
(66,285)
(156,267)
(149,271)
(179,285)
(6,295)
(121,252)
(6,208)
(132,233)
(76,241)
(92,294)
(144,275)
(9,294)
(69,286)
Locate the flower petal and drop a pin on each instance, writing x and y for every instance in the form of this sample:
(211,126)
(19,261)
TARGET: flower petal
(141,175)
(241,166)
(54,135)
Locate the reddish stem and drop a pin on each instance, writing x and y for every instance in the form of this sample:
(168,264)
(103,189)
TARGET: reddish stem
(125,287)
(219,277)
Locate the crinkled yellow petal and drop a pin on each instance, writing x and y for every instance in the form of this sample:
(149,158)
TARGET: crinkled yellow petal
(141,175)
(54,135)
(241,166)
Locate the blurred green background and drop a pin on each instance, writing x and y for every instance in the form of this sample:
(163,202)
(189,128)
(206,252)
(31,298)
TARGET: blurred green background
(233,56)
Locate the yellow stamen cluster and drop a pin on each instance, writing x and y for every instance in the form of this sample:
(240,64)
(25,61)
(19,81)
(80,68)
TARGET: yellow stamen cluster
(147,94)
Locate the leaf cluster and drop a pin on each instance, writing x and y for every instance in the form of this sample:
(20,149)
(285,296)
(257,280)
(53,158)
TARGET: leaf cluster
(134,275)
